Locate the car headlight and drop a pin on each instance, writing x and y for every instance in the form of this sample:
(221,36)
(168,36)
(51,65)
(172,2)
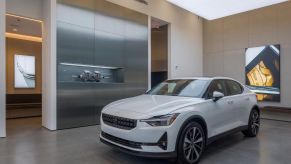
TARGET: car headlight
(164,120)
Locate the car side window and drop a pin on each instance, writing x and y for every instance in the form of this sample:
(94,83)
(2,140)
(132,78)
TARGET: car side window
(234,87)
(216,85)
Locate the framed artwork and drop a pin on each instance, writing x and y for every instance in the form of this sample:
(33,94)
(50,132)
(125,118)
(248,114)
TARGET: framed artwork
(24,71)
(262,71)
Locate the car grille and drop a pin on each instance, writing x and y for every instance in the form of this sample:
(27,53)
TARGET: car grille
(119,122)
(124,142)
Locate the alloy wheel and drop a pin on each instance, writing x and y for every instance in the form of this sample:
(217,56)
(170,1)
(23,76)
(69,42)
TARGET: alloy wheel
(193,144)
(255,122)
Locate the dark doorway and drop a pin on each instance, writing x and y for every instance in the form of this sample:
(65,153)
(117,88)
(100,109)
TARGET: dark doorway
(159,51)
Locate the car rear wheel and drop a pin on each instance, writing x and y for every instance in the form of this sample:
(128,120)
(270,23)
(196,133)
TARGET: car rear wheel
(191,144)
(254,124)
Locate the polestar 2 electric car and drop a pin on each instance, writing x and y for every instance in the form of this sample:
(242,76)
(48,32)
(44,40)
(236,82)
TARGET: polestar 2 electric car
(180,117)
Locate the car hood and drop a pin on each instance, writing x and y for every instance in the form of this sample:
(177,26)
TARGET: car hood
(146,106)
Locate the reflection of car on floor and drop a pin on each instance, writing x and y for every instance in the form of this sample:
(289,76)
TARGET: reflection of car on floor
(179,117)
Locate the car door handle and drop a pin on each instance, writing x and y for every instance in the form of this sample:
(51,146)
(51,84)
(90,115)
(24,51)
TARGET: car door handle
(247,99)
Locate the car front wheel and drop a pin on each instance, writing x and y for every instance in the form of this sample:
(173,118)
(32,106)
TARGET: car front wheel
(191,144)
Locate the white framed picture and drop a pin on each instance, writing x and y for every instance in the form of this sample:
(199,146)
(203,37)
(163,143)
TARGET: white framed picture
(24,71)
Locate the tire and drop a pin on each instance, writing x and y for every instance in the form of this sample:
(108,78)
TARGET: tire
(190,149)
(254,124)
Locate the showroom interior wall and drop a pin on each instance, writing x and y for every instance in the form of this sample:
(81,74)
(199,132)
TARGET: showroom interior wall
(2,70)
(186,42)
(27,8)
(225,41)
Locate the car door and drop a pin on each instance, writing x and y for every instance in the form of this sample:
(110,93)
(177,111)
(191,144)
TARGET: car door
(221,116)
(239,100)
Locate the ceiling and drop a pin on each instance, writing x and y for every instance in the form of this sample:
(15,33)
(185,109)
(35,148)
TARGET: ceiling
(214,9)
(23,26)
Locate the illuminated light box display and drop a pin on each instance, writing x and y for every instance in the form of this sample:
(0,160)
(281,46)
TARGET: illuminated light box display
(24,71)
(262,71)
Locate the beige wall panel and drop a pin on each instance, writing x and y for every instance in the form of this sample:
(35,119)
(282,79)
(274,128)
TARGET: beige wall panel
(214,65)
(234,63)
(284,23)
(263,27)
(213,38)
(235,32)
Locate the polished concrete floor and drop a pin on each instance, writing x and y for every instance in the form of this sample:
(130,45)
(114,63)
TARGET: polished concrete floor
(28,143)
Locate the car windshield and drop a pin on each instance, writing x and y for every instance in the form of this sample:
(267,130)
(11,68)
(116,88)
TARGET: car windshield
(184,88)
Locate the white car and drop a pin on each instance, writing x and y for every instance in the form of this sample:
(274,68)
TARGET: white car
(179,117)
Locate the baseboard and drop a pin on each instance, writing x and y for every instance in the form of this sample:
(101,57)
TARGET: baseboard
(276,114)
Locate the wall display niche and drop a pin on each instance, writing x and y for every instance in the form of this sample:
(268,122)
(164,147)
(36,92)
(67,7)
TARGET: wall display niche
(24,71)
(262,71)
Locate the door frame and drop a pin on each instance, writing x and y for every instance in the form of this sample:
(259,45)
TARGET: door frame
(2,69)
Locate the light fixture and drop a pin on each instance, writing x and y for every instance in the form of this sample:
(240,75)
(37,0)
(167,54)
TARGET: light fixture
(214,9)
(23,37)
(14,27)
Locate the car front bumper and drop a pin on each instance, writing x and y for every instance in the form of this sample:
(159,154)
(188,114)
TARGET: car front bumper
(143,140)
(138,153)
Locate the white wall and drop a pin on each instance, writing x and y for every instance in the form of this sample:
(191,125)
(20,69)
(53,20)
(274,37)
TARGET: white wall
(185,32)
(225,41)
(27,8)
(49,60)
(2,70)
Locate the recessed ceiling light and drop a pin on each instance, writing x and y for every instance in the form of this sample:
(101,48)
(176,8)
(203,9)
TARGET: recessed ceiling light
(14,27)
(214,9)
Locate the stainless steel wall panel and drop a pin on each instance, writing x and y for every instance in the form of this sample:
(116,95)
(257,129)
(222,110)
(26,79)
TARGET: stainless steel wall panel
(137,62)
(136,49)
(109,49)
(75,44)
(75,105)
(108,24)
(109,17)
(77,12)
(117,44)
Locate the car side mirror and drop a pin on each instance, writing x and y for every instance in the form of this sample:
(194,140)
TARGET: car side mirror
(217,95)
